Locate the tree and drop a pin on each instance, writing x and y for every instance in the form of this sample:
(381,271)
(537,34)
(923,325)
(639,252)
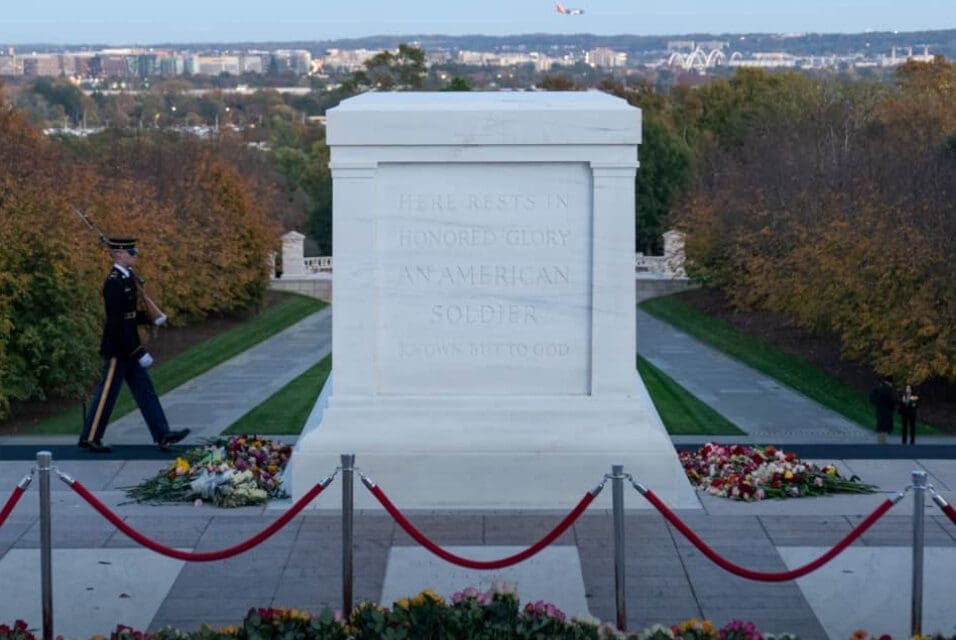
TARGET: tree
(401,70)
(663,174)
(59,93)
(457,83)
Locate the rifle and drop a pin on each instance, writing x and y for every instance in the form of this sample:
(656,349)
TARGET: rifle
(152,309)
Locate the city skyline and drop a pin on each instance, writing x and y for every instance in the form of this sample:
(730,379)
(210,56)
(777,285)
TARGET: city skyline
(113,22)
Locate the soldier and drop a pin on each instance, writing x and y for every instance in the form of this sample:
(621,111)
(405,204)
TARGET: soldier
(124,357)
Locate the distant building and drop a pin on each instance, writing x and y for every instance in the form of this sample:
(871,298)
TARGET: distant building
(297,61)
(171,66)
(42,64)
(899,55)
(190,64)
(768,60)
(147,65)
(606,58)
(120,66)
(218,65)
(81,64)
(346,59)
(10,66)
(250,63)
(681,45)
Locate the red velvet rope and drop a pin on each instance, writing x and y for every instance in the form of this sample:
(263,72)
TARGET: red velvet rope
(11,503)
(481,564)
(762,575)
(948,510)
(191,556)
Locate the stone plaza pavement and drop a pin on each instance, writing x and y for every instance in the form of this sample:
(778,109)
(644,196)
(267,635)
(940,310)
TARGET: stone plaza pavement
(101,577)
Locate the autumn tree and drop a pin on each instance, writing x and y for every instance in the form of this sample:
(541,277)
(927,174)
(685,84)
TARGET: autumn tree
(828,201)
(48,272)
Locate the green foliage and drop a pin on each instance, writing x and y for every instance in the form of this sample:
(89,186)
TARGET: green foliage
(457,83)
(400,70)
(662,176)
(289,624)
(63,94)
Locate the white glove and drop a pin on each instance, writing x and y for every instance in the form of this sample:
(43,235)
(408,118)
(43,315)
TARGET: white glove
(145,360)
(160,320)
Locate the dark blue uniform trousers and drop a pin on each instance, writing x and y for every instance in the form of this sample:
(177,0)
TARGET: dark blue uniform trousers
(115,371)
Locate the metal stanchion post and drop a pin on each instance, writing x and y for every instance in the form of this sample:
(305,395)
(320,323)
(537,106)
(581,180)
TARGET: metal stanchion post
(919,506)
(348,465)
(44,465)
(617,500)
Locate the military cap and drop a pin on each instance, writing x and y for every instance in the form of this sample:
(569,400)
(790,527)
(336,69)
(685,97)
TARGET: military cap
(123,244)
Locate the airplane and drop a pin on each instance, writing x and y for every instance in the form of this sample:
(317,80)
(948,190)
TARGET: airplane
(568,12)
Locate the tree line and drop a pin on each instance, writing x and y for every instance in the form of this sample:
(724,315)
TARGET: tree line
(830,201)
(205,215)
(824,198)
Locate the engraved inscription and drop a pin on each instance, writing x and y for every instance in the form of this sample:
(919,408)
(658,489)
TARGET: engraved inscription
(485,278)
(449,237)
(484,275)
(423,202)
(452,350)
(483,314)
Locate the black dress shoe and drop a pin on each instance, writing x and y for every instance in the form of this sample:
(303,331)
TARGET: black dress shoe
(172,438)
(94,447)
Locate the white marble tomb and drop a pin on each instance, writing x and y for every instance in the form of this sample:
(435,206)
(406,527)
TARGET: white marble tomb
(483,344)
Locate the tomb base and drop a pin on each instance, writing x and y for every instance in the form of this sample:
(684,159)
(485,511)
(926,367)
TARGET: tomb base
(492,453)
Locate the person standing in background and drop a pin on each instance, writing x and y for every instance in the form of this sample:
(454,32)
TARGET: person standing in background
(883,399)
(909,402)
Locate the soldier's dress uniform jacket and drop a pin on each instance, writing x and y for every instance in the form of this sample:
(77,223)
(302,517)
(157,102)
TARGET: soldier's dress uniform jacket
(121,350)
(120,334)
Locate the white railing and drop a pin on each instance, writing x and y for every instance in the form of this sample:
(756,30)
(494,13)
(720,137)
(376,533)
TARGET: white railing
(669,265)
(659,266)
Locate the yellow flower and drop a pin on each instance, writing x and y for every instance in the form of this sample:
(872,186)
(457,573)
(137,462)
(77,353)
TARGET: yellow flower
(403,604)
(426,596)
(182,465)
(788,475)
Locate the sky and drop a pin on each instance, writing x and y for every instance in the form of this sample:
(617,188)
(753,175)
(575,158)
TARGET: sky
(117,22)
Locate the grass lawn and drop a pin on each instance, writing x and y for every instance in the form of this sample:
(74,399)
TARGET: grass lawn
(286,411)
(683,414)
(790,370)
(199,359)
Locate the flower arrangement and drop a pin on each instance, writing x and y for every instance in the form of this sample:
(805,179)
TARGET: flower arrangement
(490,615)
(19,631)
(230,472)
(753,473)
(694,629)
